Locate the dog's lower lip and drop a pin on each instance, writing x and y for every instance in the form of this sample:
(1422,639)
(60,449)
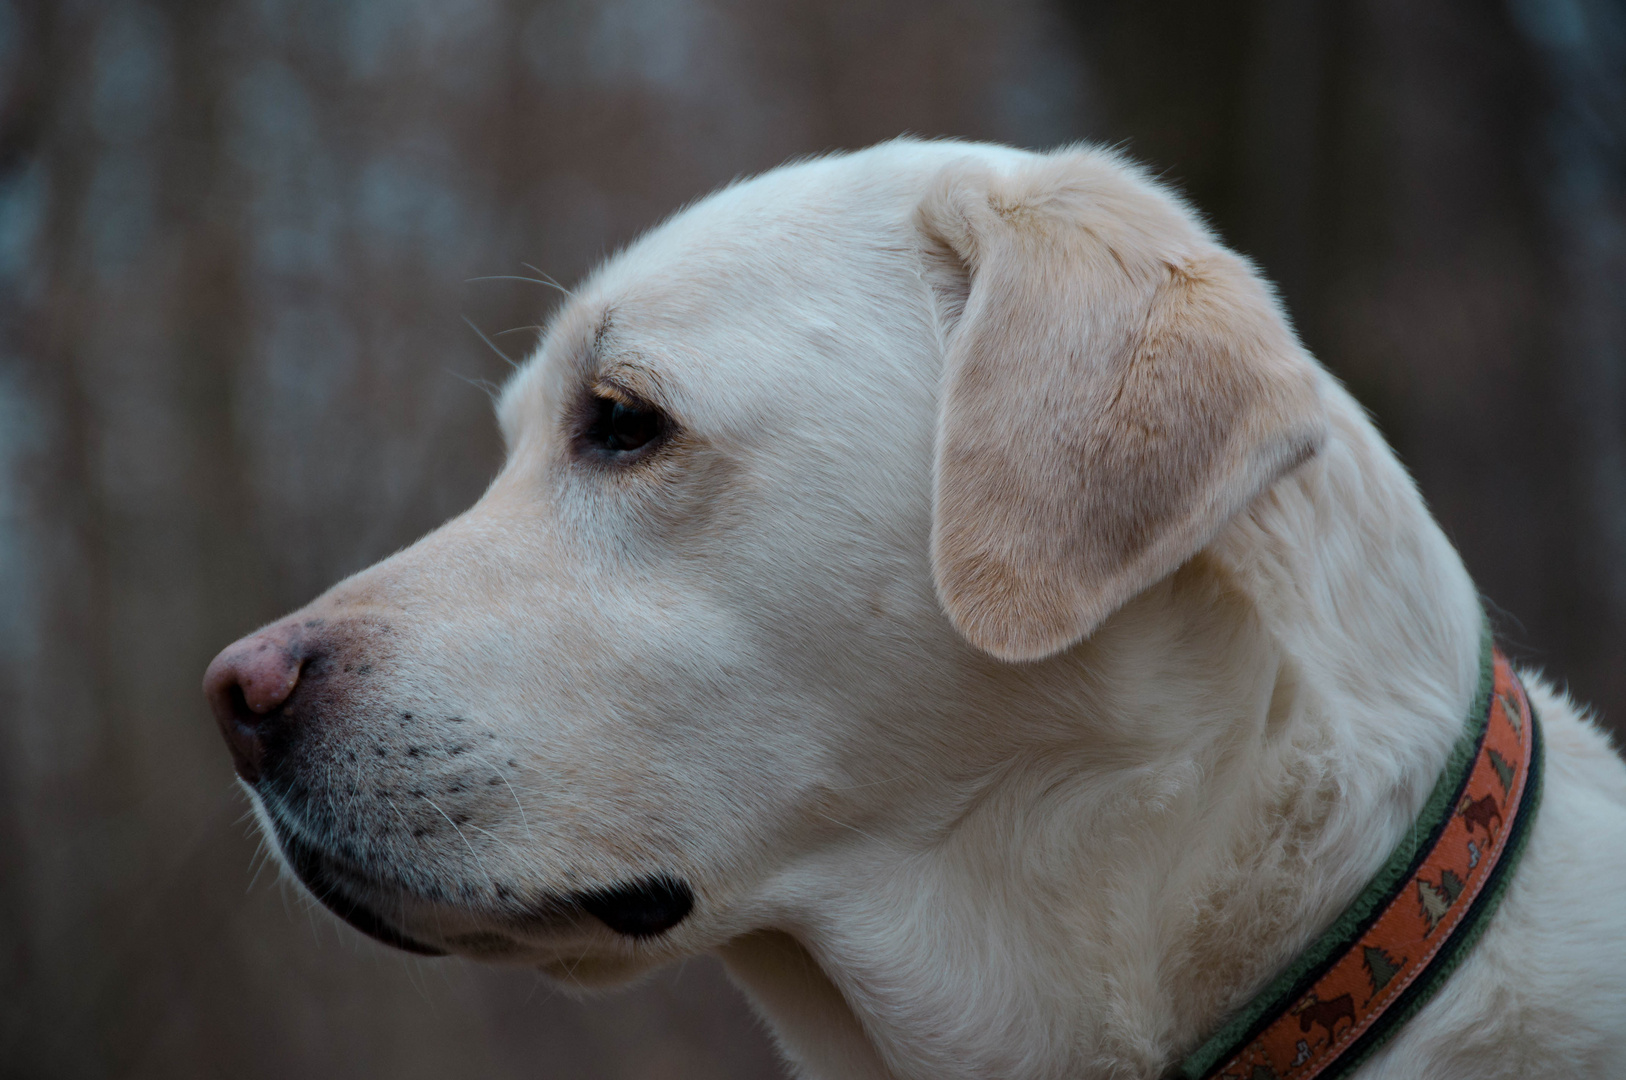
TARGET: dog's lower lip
(642,908)
(637,908)
(308,862)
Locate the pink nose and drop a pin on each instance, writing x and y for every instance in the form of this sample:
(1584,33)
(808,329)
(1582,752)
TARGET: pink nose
(247,685)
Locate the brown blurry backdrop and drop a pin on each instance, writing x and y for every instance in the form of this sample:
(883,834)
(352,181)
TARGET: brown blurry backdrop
(237,244)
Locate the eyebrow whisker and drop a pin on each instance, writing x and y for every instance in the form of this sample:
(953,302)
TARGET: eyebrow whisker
(490,344)
(548,279)
(491,389)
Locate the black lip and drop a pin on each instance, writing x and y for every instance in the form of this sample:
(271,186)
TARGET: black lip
(313,869)
(642,908)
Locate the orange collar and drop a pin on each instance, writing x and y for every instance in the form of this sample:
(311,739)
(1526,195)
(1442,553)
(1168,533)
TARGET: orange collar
(1397,943)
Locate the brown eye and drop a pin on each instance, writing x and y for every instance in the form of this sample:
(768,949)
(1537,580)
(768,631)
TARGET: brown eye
(619,428)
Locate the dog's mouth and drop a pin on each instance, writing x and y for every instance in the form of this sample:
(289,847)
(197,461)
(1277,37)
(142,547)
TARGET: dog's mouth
(640,908)
(317,871)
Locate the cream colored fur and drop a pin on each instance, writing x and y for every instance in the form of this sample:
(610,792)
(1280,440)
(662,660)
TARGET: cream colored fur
(941,407)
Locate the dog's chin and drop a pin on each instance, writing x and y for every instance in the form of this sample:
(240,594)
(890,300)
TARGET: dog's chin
(318,874)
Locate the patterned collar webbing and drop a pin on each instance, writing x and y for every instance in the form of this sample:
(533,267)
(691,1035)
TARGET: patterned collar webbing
(1404,935)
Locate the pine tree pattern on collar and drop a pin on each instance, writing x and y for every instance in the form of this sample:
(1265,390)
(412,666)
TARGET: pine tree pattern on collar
(1404,935)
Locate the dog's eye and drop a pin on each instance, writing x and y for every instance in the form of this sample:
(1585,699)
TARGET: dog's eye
(619,428)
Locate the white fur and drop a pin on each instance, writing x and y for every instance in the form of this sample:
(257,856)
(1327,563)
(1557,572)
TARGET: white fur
(919,860)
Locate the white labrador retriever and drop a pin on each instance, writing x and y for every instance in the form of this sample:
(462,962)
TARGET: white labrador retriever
(936,580)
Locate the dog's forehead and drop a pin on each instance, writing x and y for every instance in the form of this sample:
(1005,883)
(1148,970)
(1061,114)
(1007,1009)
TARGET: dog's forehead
(766,287)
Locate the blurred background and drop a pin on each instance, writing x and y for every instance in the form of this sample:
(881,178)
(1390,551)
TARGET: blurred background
(239,240)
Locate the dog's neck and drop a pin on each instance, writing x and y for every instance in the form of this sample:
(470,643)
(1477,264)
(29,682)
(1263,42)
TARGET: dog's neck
(1260,729)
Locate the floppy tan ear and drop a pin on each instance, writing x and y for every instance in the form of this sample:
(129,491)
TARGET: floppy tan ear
(1117,386)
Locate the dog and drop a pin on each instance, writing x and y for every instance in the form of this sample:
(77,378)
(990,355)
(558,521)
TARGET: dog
(936,580)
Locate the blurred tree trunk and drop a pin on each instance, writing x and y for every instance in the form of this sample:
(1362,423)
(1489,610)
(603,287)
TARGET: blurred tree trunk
(1579,163)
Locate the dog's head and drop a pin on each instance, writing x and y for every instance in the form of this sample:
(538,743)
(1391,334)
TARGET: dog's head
(798,489)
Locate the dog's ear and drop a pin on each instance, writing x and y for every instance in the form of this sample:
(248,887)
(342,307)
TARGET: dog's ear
(1117,385)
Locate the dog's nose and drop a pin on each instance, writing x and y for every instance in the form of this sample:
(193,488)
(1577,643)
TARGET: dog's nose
(247,685)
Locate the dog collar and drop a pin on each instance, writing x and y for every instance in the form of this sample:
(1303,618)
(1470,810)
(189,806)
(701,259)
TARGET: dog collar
(1404,935)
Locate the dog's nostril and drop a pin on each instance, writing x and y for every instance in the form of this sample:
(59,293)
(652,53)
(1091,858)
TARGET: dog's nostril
(247,686)
(241,726)
(239,705)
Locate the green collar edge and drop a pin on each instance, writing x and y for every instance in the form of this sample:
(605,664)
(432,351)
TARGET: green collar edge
(1289,985)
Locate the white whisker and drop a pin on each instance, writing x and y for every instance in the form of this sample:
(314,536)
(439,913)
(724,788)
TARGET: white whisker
(490,344)
(548,279)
